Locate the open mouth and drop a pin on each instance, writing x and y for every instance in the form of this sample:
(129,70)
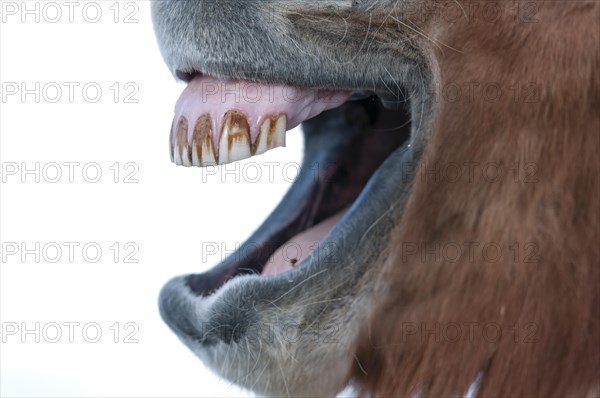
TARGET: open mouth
(348,136)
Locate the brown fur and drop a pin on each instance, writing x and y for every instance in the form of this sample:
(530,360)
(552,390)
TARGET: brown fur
(546,301)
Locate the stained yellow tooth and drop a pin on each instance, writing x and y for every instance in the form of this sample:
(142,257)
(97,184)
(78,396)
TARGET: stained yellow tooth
(277,136)
(186,149)
(271,134)
(196,154)
(234,143)
(260,145)
(172,141)
(181,143)
(203,148)
(208,152)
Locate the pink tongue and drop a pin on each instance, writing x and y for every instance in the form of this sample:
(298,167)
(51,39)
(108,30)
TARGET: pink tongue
(300,246)
(209,96)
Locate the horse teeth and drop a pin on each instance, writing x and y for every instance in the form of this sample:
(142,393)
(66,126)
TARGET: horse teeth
(172,142)
(180,143)
(183,145)
(271,134)
(203,148)
(194,145)
(234,143)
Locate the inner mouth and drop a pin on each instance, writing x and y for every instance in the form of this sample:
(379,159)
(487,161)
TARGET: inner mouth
(348,135)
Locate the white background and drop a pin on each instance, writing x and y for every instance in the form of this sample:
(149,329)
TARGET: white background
(167,214)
